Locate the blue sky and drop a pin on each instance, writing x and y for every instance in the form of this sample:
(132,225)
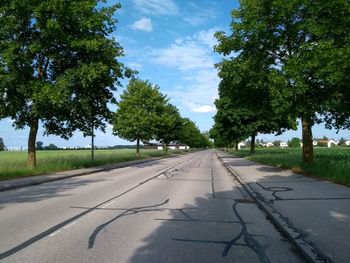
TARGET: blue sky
(170,43)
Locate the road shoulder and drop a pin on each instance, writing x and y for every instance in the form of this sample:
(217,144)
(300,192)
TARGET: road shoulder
(313,214)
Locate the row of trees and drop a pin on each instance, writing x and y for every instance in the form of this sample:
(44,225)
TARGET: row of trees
(59,68)
(145,114)
(284,60)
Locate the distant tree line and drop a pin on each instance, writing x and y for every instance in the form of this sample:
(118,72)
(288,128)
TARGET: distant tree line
(284,60)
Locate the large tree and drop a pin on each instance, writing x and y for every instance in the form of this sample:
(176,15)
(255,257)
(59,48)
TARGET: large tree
(139,108)
(244,104)
(58,65)
(307,45)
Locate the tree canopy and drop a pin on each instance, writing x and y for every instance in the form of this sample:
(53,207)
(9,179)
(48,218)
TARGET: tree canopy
(244,105)
(139,108)
(168,125)
(304,46)
(58,66)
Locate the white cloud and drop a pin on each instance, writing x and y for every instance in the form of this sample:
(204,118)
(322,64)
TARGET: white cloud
(184,56)
(156,7)
(194,58)
(144,24)
(134,65)
(189,53)
(201,17)
(207,37)
(201,108)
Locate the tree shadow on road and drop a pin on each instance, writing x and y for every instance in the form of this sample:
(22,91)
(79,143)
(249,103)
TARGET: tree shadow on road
(32,194)
(213,230)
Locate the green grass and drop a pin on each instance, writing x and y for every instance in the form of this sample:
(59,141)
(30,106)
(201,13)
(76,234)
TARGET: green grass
(329,163)
(13,164)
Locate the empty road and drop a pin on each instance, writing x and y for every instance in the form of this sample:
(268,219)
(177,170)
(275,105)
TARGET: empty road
(181,209)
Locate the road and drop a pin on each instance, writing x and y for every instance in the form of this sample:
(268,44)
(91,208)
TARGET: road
(182,209)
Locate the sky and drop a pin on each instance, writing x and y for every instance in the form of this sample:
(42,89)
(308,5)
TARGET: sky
(170,43)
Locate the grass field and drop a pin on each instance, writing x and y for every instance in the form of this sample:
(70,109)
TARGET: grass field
(329,163)
(13,164)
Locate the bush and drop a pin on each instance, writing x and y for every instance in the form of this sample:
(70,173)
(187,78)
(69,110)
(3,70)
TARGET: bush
(294,143)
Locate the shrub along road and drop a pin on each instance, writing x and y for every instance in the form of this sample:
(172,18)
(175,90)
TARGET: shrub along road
(181,209)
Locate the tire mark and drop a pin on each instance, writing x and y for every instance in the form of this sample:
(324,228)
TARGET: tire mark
(130,211)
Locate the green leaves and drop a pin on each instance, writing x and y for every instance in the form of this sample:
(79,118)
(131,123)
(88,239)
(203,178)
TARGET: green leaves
(58,64)
(144,114)
(138,111)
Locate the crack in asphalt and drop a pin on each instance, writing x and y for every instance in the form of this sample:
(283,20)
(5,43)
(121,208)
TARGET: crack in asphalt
(131,211)
(310,252)
(248,239)
(275,190)
(55,228)
(212,184)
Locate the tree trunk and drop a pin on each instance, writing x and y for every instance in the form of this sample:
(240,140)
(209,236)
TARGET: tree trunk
(252,145)
(308,150)
(92,143)
(236,145)
(138,146)
(31,159)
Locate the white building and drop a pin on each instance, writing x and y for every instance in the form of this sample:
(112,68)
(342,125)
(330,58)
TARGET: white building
(269,144)
(283,144)
(332,142)
(240,145)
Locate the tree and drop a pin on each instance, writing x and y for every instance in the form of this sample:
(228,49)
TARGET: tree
(189,133)
(342,141)
(307,45)
(276,143)
(294,143)
(216,135)
(2,145)
(244,100)
(205,140)
(51,146)
(138,112)
(169,124)
(58,66)
(39,145)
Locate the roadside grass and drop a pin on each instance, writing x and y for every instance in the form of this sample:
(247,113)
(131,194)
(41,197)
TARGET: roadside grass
(329,163)
(13,164)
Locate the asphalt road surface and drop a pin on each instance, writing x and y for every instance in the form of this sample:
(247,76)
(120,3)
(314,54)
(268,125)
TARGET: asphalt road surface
(181,209)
